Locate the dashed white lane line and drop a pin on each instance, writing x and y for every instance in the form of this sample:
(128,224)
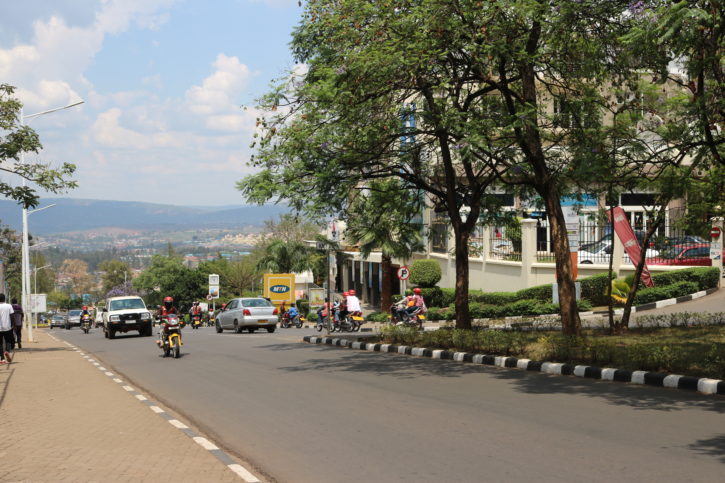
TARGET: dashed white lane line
(141,397)
(205,443)
(243,473)
(115,379)
(108,373)
(156,409)
(178,424)
(101,368)
(128,388)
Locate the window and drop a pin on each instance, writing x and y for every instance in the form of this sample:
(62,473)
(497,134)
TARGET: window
(439,233)
(256,303)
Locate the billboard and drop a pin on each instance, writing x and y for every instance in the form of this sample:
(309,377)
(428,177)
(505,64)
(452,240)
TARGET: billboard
(280,287)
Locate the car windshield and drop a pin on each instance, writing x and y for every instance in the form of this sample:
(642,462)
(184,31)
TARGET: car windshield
(597,247)
(74,313)
(256,303)
(125,304)
(57,317)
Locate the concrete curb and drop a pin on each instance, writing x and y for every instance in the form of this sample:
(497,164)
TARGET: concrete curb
(703,385)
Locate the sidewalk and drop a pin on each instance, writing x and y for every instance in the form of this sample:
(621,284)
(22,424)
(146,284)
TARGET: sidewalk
(62,419)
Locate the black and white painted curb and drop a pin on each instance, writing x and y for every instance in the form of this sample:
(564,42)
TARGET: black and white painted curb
(660,303)
(238,469)
(703,385)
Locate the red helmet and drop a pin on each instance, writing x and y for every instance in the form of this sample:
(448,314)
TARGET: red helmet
(85,307)
(352,292)
(345,294)
(169,299)
(416,291)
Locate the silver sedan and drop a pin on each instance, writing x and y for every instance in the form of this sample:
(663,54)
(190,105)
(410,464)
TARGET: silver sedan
(247,313)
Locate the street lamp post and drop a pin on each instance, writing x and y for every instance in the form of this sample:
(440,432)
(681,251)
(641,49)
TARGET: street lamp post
(25,265)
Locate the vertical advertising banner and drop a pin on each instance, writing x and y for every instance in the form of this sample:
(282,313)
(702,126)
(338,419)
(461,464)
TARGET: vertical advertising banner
(625,233)
(280,287)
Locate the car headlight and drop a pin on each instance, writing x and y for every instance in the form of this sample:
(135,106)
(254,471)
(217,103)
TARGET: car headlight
(114,318)
(146,316)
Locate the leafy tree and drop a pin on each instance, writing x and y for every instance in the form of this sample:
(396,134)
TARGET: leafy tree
(115,273)
(290,229)
(242,276)
(384,218)
(16,139)
(167,276)
(449,97)
(43,280)
(10,242)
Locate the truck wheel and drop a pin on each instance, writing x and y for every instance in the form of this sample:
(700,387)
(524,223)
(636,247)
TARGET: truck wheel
(111,334)
(270,329)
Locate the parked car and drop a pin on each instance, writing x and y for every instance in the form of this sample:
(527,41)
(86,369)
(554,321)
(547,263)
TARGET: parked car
(73,319)
(247,313)
(595,252)
(57,320)
(693,255)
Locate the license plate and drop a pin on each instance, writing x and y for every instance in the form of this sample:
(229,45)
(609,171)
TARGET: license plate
(262,321)
(356,318)
(421,317)
(130,321)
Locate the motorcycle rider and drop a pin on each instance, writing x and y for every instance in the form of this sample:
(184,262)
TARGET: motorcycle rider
(166,310)
(292,313)
(418,303)
(85,312)
(195,310)
(322,312)
(340,308)
(353,303)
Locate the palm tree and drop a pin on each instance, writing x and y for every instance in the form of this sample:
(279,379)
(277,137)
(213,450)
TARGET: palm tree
(381,218)
(285,257)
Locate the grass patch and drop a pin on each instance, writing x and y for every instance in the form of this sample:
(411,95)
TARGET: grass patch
(673,347)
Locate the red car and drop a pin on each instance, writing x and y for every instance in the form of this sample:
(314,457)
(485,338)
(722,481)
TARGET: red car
(697,254)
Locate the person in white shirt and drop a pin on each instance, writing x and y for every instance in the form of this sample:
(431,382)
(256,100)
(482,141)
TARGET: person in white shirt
(7,341)
(353,303)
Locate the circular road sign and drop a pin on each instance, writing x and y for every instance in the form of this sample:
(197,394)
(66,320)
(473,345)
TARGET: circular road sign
(403,273)
(209,297)
(715,232)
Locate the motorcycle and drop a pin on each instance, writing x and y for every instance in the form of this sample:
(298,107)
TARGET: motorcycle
(170,337)
(86,323)
(196,321)
(351,322)
(285,322)
(400,316)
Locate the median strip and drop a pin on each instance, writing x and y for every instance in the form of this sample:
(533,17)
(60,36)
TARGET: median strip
(702,385)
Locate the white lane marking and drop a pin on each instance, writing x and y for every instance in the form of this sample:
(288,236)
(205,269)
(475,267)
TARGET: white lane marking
(141,397)
(178,424)
(127,388)
(156,409)
(96,364)
(101,368)
(242,471)
(91,360)
(108,373)
(115,379)
(205,443)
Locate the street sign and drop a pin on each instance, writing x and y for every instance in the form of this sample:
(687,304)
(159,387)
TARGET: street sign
(213,279)
(715,250)
(715,232)
(214,291)
(320,245)
(209,297)
(403,273)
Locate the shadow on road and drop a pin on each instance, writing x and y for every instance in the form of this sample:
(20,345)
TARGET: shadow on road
(408,367)
(711,447)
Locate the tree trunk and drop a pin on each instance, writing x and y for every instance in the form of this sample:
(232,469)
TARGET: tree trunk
(610,304)
(463,315)
(387,286)
(570,322)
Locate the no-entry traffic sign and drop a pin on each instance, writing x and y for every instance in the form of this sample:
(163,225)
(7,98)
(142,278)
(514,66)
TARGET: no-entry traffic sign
(715,232)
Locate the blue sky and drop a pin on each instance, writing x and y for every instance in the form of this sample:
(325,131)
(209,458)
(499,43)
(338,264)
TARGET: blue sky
(164,82)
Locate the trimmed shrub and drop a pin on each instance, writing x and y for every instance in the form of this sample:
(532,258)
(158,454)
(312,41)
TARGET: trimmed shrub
(540,292)
(377,317)
(594,288)
(653,294)
(705,277)
(303,305)
(436,314)
(449,296)
(425,273)
(494,298)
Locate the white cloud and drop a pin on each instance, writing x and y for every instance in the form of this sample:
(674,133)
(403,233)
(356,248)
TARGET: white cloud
(219,92)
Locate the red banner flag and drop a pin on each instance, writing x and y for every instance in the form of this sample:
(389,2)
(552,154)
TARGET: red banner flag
(625,233)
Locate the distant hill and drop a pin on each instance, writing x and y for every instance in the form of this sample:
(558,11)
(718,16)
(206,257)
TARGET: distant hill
(71,214)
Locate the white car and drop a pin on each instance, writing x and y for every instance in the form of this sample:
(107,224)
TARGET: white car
(247,313)
(599,253)
(123,314)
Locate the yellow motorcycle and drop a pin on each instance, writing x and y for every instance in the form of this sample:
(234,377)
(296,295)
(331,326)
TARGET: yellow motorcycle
(170,341)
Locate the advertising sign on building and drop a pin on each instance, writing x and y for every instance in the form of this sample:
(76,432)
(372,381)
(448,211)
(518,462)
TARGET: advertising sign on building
(280,287)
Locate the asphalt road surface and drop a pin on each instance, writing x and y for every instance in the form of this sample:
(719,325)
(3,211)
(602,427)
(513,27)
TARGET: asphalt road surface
(304,413)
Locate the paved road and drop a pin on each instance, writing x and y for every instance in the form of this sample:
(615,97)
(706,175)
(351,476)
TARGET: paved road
(305,413)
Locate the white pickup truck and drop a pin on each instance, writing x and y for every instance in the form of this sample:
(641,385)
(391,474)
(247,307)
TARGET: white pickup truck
(123,314)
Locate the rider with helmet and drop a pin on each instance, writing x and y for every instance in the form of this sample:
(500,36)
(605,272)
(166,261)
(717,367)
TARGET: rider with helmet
(85,311)
(195,310)
(418,303)
(353,303)
(166,309)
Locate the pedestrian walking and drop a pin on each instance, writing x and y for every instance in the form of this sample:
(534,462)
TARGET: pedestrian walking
(17,318)
(6,331)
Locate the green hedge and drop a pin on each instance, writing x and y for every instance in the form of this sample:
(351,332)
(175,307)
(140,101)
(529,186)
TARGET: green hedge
(653,294)
(520,307)
(594,288)
(425,273)
(433,296)
(540,292)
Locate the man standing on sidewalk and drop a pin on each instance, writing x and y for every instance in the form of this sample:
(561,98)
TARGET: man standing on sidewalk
(6,331)
(17,318)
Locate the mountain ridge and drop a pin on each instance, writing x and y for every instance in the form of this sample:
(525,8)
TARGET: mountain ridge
(79,214)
